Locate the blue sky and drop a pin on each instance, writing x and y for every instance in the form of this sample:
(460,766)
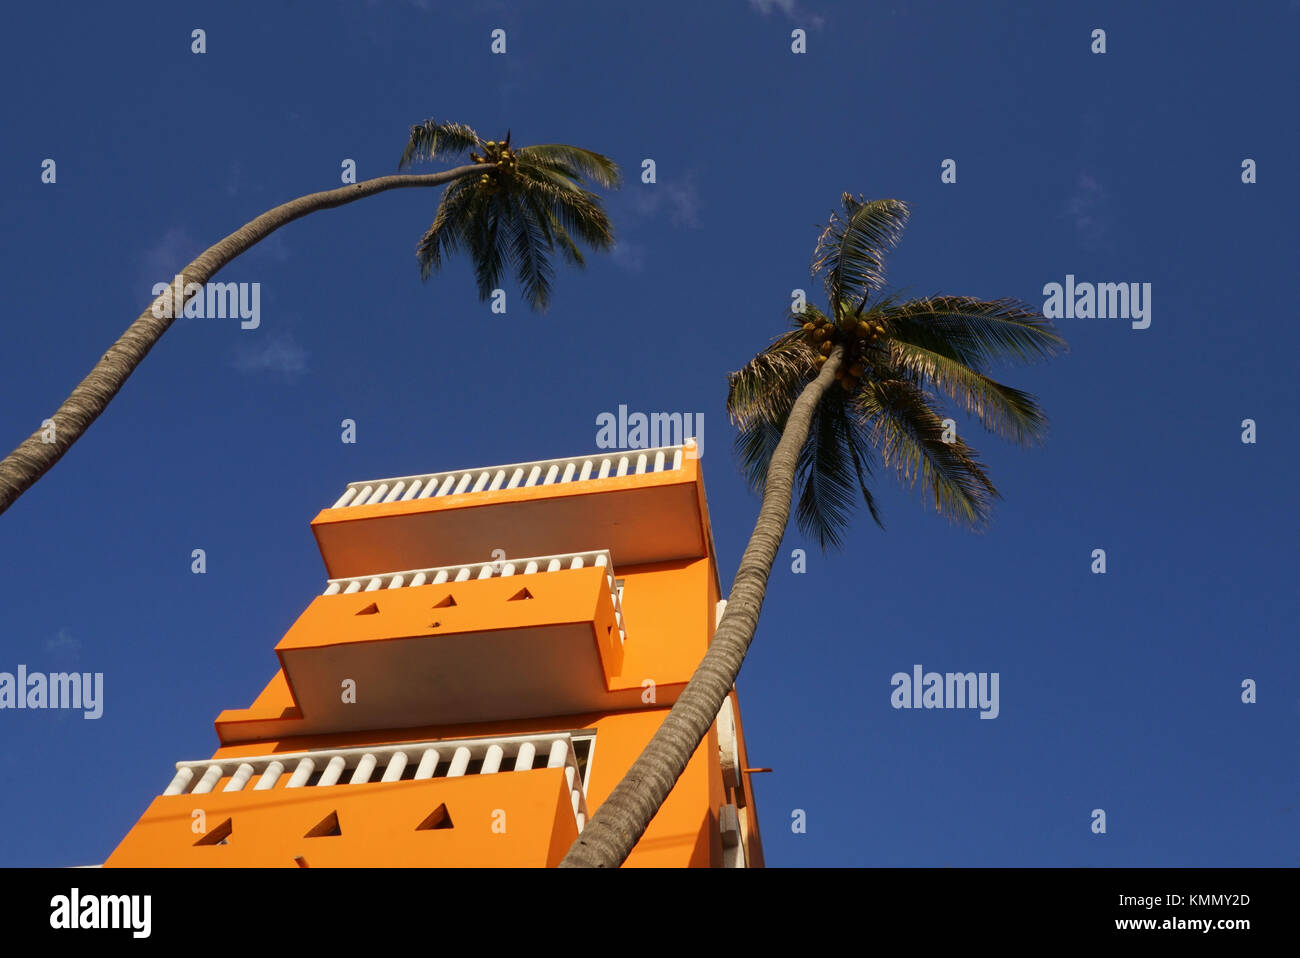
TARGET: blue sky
(1119,691)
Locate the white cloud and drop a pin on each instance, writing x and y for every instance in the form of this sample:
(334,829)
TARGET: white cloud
(280,355)
(680,202)
(1087,206)
(63,645)
(271,248)
(628,256)
(172,253)
(790,8)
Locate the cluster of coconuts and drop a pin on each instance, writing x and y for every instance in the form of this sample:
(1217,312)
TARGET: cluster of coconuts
(854,334)
(499,156)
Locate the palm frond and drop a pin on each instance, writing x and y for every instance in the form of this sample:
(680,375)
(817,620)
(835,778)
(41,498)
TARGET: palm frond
(767,386)
(575,162)
(1008,412)
(858,443)
(447,233)
(904,425)
(529,242)
(516,213)
(975,332)
(486,251)
(851,249)
(577,210)
(430,140)
(557,237)
(827,475)
(756,440)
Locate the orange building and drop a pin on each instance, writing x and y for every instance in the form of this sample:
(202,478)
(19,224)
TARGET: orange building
(493,650)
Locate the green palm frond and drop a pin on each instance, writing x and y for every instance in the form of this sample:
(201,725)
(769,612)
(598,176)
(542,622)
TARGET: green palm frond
(904,425)
(484,230)
(767,386)
(975,332)
(1008,412)
(832,470)
(835,463)
(898,358)
(529,238)
(755,442)
(573,162)
(858,443)
(446,235)
(577,210)
(519,212)
(851,249)
(431,140)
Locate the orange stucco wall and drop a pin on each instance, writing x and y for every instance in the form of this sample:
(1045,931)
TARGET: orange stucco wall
(684,833)
(511,819)
(507,818)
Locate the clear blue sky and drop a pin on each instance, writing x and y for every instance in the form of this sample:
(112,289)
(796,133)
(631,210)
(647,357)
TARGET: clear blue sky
(1119,691)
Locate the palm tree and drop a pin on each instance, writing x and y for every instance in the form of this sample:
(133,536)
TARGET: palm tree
(507,205)
(815,408)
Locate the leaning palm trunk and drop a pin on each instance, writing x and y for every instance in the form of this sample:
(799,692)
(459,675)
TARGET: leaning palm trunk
(31,460)
(623,817)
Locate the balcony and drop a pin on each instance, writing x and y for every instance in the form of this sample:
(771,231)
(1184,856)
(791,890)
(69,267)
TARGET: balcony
(476,571)
(411,798)
(523,638)
(643,506)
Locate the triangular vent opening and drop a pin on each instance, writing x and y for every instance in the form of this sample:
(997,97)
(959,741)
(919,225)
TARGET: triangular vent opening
(438,818)
(218,835)
(329,825)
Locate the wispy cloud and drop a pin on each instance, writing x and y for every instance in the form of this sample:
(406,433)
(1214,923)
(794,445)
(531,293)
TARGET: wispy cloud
(679,201)
(676,201)
(272,248)
(628,256)
(63,646)
(172,253)
(279,355)
(790,8)
(1087,206)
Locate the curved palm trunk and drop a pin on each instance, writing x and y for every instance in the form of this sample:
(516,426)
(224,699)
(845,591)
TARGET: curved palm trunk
(623,817)
(31,460)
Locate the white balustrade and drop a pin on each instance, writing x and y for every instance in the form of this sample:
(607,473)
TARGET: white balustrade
(269,777)
(240,778)
(513,476)
(494,755)
(300,774)
(364,768)
(333,770)
(209,780)
(413,578)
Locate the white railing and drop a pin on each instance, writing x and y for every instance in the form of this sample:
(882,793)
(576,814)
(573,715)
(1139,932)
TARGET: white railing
(516,476)
(439,575)
(444,759)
